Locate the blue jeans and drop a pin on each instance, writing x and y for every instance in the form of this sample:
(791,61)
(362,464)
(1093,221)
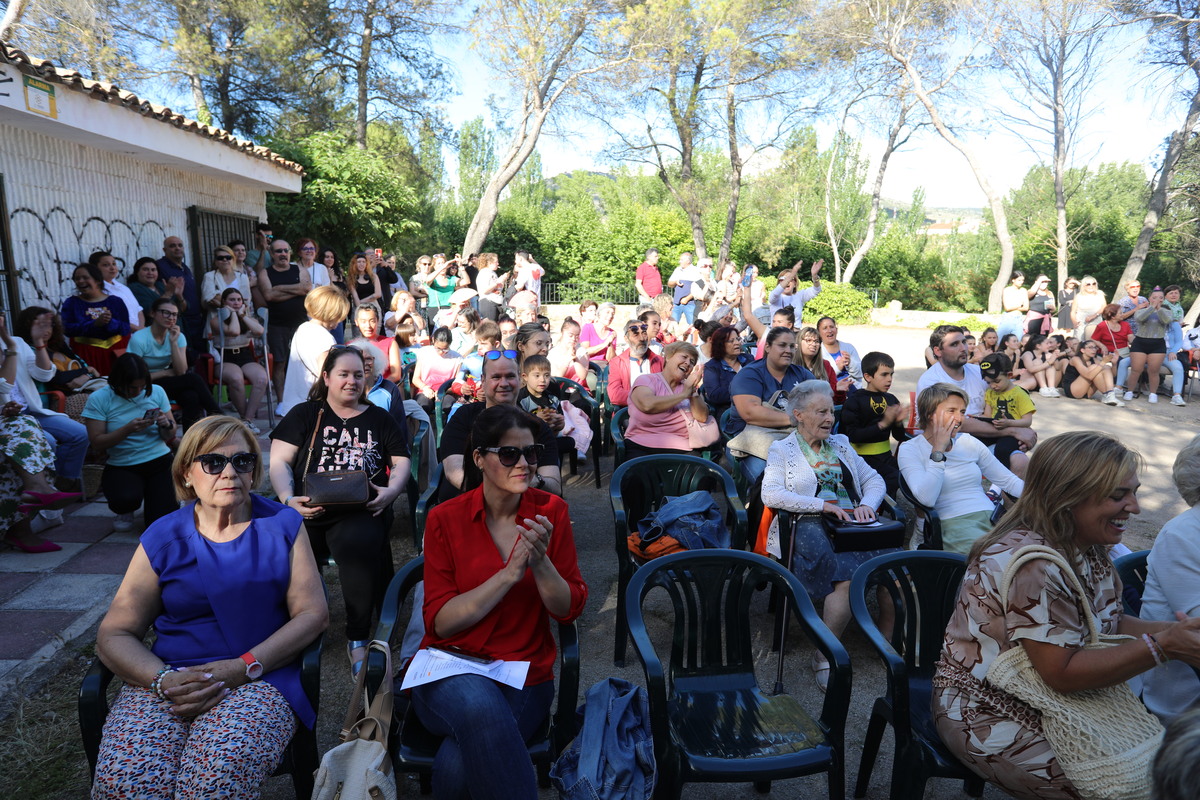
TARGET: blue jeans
(685,311)
(70,442)
(486,725)
(752,467)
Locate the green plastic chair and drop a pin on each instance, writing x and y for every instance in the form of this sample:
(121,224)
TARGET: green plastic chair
(638,486)
(711,721)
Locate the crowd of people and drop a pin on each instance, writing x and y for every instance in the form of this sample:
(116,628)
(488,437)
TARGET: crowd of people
(709,363)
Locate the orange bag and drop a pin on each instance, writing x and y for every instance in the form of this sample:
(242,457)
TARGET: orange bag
(662,546)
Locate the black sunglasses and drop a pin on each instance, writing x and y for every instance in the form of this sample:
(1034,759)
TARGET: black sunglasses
(214,463)
(223,258)
(509,455)
(285,250)
(495,355)
(643,328)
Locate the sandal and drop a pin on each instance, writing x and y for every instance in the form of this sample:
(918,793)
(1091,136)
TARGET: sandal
(820,669)
(51,501)
(356,666)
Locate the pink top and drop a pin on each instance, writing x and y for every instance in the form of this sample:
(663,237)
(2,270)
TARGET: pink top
(434,370)
(589,337)
(666,429)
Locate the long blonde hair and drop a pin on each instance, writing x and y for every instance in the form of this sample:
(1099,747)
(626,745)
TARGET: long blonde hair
(1064,471)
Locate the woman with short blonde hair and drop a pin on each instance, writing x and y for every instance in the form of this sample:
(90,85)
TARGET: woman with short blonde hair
(327,307)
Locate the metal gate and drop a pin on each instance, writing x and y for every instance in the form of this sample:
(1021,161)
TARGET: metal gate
(208,229)
(10,291)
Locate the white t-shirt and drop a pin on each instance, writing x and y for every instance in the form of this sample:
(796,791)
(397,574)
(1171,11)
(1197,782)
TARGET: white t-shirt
(972,383)
(122,291)
(320,275)
(309,344)
(953,487)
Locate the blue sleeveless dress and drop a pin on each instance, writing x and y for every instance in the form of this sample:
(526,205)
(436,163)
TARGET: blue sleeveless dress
(220,599)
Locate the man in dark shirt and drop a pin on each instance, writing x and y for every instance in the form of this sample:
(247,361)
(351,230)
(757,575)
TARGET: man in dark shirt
(500,383)
(172,265)
(283,285)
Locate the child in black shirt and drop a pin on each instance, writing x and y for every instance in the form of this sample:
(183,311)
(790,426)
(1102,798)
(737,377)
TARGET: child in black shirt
(872,416)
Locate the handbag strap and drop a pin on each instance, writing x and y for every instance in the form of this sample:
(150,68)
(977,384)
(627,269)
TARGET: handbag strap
(1033,552)
(380,710)
(312,440)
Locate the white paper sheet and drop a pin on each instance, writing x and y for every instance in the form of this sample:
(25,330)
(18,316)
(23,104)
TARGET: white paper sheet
(430,665)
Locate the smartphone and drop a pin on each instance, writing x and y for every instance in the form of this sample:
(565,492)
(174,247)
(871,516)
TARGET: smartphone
(151,414)
(379,252)
(464,654)
(748,279)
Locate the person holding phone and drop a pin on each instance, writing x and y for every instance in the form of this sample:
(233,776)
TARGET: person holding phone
(487,604)
(785,294)
(131,421)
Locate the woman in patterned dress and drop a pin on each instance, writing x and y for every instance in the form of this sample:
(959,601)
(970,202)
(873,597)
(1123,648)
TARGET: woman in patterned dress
(1080,490)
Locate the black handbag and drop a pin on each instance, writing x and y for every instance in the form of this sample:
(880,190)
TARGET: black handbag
(339,487)
(852,537)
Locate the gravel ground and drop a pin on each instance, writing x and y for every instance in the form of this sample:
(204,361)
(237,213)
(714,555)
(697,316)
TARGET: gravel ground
(1157,431)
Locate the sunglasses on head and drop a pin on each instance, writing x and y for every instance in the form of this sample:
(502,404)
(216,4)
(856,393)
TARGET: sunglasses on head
(495,355)
(214,463)
(509,455)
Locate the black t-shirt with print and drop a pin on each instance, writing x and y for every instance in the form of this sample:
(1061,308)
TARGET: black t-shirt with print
(367,441)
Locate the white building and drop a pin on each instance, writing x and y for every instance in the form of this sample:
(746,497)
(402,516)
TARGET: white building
(86,166)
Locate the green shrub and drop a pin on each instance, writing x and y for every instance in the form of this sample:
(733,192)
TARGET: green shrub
(973,323)
(841,301)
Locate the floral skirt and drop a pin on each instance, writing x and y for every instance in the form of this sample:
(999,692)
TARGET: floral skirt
(21,444)
(816,564)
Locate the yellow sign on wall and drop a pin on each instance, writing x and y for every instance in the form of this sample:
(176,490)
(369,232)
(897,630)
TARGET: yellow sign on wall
(39,98)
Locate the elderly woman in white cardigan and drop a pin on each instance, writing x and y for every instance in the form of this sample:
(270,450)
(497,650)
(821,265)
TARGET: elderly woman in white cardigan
(812,472)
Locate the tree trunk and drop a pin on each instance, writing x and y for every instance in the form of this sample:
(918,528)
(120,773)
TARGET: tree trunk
(1060,166)
(829,231)
(519,149)
(735,175)
(1158,197)
(995,201)
(12,15)
(876,192)
(362,70)
(203,114)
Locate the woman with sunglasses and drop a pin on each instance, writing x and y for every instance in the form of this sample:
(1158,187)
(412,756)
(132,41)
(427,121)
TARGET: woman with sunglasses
(131,421)
(337,428)
(1087,307)
(499,563)
(224,275)
(230,585)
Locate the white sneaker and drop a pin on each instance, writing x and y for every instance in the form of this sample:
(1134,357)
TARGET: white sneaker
(46,520)
(1045,391)
(1128,396)
(1054,392)
(1177,400)
(1109,398)
(1153,398)
(123,523)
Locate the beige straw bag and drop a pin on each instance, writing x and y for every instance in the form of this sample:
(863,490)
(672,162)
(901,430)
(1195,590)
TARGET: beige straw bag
(1105,739)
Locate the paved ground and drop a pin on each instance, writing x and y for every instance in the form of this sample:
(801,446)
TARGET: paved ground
(50,602)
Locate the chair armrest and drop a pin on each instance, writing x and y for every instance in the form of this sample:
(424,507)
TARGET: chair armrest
(741,526)
(93,708)
(310,669)
(428,500)
(656,681)
(54,400)
(568,686)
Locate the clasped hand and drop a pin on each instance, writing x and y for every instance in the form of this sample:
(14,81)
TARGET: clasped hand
(529,549)
(197,689)
(857,514)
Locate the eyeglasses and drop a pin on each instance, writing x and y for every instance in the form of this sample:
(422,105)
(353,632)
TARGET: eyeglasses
(214,463)
(279,251)
(223,258)
(496,355)
(637,328)
(308,249)
(509,455)
(169,314)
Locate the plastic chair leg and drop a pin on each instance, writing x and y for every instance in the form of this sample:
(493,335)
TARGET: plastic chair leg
(870,751)
(620,626)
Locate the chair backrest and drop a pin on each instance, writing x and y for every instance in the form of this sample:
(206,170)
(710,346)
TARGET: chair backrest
(439,409)
(924,587)
(417,442)
(933,523)
(1132,568)
(638,486)
(617,426)
(713,636)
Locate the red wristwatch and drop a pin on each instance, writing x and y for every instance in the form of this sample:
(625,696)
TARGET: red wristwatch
(254,670)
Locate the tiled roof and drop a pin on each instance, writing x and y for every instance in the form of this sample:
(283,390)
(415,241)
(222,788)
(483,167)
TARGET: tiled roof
(108,93)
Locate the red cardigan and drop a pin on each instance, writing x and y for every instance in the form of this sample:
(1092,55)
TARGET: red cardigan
(460,555)
(619,384)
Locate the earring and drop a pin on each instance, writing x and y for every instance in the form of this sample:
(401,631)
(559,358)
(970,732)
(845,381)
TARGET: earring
(187,484)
